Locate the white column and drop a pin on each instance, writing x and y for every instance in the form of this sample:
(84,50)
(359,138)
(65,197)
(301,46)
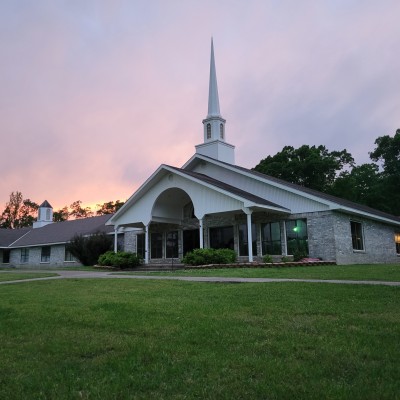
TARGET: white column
(249,236)
(116,238)
(284,239)
(201,233)
(146,244)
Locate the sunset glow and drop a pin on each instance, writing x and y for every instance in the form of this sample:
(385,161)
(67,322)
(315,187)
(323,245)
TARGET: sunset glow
(95,95)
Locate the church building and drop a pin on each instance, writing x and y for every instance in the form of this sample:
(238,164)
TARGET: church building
(210,202)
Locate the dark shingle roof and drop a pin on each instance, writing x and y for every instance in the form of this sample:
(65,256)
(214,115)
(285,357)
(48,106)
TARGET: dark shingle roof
(229,188)
(62,232)
(9,236)
(46,204)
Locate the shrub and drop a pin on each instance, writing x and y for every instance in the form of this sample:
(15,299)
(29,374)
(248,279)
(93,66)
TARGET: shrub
(87,249)
(267,259)
(285,259)
(210,256)
(121,259)
(299,255)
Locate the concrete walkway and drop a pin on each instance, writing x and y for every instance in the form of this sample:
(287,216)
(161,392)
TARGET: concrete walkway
(108,275)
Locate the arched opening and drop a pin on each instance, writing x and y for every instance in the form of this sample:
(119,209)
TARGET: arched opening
(174,228)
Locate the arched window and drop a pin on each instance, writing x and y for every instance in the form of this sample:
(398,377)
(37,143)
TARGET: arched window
(221,131)
(208,131)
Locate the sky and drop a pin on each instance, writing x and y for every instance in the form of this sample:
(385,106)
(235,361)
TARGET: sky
(95,95)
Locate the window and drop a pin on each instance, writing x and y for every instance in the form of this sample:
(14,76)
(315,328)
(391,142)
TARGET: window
(357,235)
(24,255)
(45,256)
(208,131)
(120,242)
(397,241)
(297,237)
(171,245)
(48,214)
(140,245)
(68,256)
(271,238)
(221,131)
(244,242)
(156,245)
(222,237)
(191,240)
(6,256)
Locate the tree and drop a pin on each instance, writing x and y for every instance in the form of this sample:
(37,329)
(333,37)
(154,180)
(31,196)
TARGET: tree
(363,184)
(109,207)
(61,215)
(87,249)
(19,212)
(78,212)
(312,167)
(387,153)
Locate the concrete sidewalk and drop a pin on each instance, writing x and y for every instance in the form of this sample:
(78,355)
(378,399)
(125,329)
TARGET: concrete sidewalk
(108,275)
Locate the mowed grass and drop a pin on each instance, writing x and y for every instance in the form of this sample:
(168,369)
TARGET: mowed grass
(137,339)
(381,272)
(15,276)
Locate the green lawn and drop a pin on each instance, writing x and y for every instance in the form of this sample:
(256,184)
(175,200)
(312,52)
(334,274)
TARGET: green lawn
(381,272)
(15,276)
(130,339)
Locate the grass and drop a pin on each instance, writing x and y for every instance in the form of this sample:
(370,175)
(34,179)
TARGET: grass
(381,272)
(15,276)
(120,339)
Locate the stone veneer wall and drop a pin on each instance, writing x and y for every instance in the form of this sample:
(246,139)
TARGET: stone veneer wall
(130,241)
(329,236)
(57,255)
(321,235)
(379,244)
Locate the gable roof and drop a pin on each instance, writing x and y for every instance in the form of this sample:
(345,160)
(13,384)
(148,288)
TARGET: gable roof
(62,232)
(45,204)
(9,236)
(231,189)
(340,203)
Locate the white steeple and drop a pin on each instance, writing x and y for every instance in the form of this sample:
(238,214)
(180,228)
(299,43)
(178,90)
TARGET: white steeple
(214,125)
(45,215)
(213,98)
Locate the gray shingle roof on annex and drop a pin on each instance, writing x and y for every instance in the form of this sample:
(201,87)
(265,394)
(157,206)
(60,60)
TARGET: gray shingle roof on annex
(316,193)
(231,189)
(9,236)
(62,232)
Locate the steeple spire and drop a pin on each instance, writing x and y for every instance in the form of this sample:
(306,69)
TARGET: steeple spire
(214,144)
(213,99)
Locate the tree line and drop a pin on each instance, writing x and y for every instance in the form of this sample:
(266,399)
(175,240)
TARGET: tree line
(375,184)
(20,212)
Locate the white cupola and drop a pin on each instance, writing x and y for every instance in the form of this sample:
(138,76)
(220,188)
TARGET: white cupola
(45,215)
(214,144)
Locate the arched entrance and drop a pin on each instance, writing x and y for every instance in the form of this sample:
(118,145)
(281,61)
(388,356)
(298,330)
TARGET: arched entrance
(174,228)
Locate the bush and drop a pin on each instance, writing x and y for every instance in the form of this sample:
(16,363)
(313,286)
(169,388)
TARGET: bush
(87,249)
(267,259)
(210,256)
(299,255)
(285,259)
(121,259)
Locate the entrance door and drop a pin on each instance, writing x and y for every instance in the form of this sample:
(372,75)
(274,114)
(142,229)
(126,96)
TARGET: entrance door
(191,240)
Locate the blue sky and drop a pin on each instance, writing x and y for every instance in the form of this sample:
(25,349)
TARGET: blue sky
(95,95)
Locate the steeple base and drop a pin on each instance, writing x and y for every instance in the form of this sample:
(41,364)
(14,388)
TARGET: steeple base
(217,149)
